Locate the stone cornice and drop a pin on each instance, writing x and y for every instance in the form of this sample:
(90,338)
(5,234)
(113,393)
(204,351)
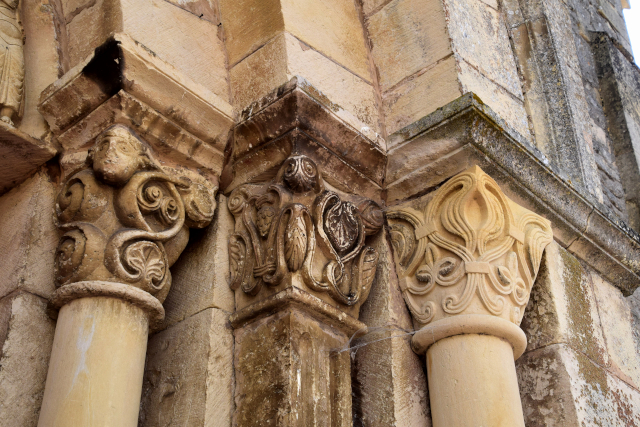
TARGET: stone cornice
(467,132)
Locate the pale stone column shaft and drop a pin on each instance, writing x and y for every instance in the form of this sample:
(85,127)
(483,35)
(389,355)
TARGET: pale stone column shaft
(97,364)
(472,382)
(467,263)
(471,370)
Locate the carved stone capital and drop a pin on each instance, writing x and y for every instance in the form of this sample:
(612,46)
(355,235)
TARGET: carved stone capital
(125,220)
(470,251)
(296,231)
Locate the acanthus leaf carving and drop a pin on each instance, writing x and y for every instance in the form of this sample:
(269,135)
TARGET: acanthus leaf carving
(471,250)
(294,225)
(126,218)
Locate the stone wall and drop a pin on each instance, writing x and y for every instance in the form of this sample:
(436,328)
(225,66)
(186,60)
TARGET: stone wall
(320,127)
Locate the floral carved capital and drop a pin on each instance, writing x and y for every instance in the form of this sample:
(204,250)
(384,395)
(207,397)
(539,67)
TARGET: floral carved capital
(296,225)
(470,251)
(126,218)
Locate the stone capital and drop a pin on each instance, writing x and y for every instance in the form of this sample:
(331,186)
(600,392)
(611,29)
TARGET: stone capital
(125,220)
(468,260)
(297,231)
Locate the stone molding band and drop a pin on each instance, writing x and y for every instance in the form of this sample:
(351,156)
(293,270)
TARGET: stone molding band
(97,288)
(482,324)
(293,296)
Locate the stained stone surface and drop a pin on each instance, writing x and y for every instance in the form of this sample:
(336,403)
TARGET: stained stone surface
(28,236)
(26,337)
(189,373)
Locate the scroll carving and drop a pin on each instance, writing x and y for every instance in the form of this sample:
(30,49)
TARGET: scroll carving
(296,225)
(471,250)
(12,60)
(126,219)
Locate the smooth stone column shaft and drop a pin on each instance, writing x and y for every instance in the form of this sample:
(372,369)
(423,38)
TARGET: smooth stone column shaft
(473,383)
(97,365)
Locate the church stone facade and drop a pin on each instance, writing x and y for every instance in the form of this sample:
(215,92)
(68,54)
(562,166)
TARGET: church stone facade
(329,213)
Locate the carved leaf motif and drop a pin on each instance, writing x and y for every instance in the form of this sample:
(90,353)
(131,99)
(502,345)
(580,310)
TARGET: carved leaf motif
(236,260)
(295,242)
(403,242)
(341,226)
(146,260)
(369,264)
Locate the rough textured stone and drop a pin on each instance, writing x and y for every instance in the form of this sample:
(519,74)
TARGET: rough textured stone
(388,378)
(189,373)
(288,373)
(407,36)
(479,37)
(619,83)
(26,337)
(176,36)
(562,387)
(421,95)
(620,331)
(29,236)
(42,63)
(352,98)
(331,27)
(199,282)
(562,307)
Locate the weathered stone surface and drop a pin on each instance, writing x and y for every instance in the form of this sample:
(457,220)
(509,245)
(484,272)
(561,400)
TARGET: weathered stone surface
(563,308)
(490,52)
(294,120)
(42,63)
(388,379)
(332,27)
(97,363)
(421,95)
(620,330)
(351,98)
(123,65)
(29,237)
(619,84)
(205,9)
(560,386)
(507,105)
(407,36)
(20,156)
(524,173)
(189,373)
(26,337)
(199,279)
(289,373)
(176,36)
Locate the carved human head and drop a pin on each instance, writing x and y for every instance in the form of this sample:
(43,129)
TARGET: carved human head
(118,154)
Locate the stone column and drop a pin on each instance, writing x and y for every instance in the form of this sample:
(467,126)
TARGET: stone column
(125,220)
(303,260)
(467,263)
